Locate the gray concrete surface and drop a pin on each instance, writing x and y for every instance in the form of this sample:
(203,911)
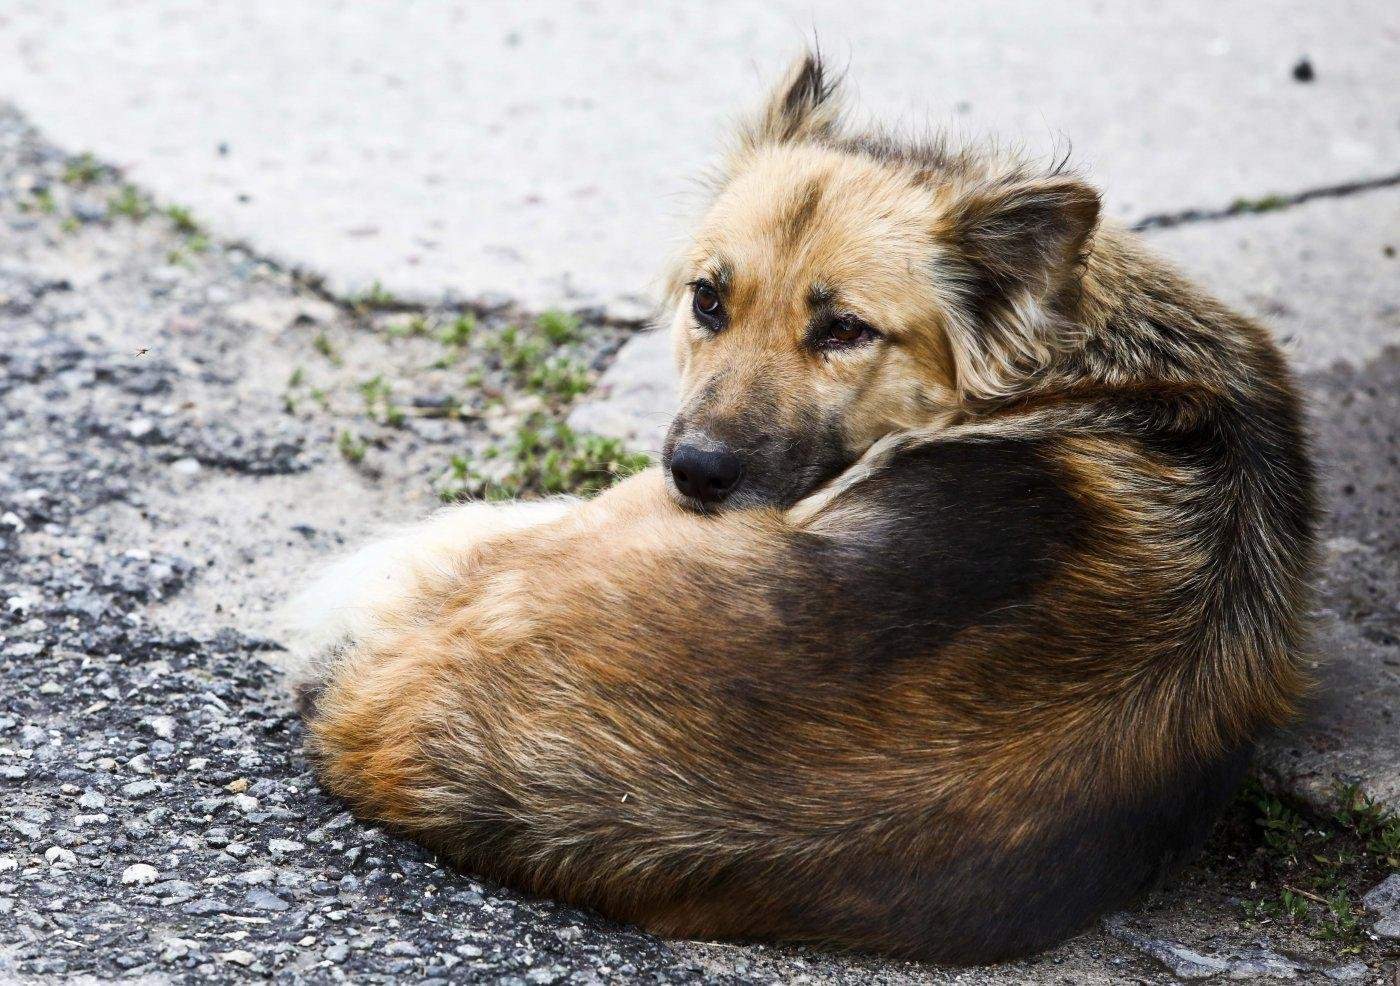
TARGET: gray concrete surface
(547,150)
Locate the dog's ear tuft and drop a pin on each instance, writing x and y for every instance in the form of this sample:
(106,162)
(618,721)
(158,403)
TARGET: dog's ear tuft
(805,105)
(1015,251)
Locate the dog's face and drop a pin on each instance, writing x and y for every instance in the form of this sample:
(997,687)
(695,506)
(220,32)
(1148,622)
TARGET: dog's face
(807,327)
(823,304)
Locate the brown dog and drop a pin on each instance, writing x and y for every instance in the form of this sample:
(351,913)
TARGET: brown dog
(974,568)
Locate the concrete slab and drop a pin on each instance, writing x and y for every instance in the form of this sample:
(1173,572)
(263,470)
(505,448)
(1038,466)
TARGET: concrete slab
(545,151)
(1319,275)
(1349,732)
(636,396)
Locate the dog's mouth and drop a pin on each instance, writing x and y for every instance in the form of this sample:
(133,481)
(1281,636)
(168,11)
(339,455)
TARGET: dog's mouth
(763,481)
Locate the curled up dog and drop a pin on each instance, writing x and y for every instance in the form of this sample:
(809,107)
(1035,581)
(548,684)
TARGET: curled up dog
(974,566)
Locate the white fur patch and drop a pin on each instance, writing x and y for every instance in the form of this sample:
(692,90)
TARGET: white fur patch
(356,596)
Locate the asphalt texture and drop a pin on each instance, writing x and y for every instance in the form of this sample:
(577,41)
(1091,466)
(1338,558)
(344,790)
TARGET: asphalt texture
(163,484)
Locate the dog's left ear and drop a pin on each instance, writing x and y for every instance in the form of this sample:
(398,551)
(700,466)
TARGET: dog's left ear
(1013,256)
(805,105)
(1023,234)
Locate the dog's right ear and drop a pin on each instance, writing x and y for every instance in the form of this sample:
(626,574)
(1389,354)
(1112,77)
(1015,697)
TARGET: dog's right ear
(804,106)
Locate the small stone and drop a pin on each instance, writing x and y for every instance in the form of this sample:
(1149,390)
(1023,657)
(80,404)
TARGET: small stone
(1347,973)
(281,847)
(337,953)
(237,786)
(8,863)
(204,905)
(162,726)
(50,688)
(140,874)
(185,467)
(1384,901)
(177,948)
(245,803)
(139,789)
(13,772)
(257,877)
(1303,70)
(140,427)
(58,856)
(239,956)
(265,900)
(89,212)
(92,801)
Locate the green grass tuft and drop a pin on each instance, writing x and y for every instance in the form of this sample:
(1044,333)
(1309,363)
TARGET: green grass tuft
(181,218)
(1318,866)
(323,345)
(545,458)
(1269,203)
(376,298)
(352,447)
(130,203)
(558,327)
(82,170)
(458,332)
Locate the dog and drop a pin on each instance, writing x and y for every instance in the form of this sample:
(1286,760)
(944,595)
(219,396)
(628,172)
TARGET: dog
(975,565)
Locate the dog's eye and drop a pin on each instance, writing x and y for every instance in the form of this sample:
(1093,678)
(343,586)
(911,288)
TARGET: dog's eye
(845,333)
(709,310)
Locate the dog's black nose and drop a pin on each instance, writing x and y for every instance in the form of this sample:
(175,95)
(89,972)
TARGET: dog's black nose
(708,475)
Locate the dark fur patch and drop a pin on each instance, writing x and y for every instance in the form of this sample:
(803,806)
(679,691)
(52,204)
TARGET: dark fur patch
(985,902)
(810,88)
(795,219)
(959,533)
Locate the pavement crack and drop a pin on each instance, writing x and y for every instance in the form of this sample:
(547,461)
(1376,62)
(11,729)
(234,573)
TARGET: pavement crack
(1269,203)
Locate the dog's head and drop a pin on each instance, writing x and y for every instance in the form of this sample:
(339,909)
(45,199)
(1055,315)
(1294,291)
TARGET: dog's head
(841,288)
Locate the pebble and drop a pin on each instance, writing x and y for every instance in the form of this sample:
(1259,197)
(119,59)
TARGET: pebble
(140,874)
(139,789)
(162,726)
(256,877)
(185,467)
(239,956)
(1384,901)
(265,900)
(140,427)
(58,856)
